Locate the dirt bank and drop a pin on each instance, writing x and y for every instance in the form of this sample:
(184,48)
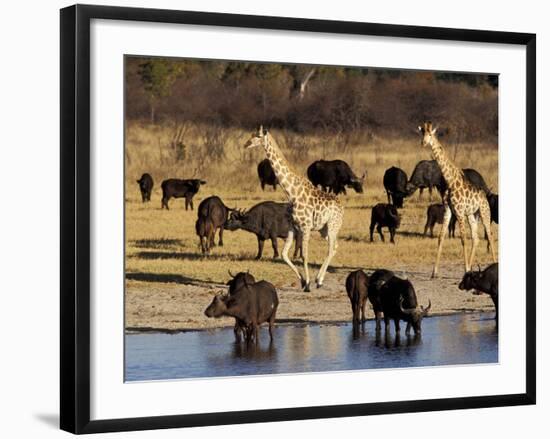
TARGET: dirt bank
(179,304)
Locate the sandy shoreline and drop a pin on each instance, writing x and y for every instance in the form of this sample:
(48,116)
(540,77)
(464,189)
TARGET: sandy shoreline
(175,307)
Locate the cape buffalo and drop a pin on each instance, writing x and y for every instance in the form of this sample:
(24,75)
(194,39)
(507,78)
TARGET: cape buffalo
(267,175)
(146,187)
(384,215)
(485,281)
(250,304)
(426,174)
(395,183)
(398,300)
(334,175)
(267,220)
(356,286)
(376,282)
(434,215)
(212,215)
(236,282)
(175,188)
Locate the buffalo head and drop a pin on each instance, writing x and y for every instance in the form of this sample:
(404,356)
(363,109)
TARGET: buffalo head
(357,183)
(414,316)
(218,306)
(470,280)
(236,219)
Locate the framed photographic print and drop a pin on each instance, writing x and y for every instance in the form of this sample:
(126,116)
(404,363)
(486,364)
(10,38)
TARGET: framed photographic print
(299,206)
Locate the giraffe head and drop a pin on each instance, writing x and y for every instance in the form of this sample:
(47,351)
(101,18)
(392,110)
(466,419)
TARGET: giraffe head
(428,134)
(257,138)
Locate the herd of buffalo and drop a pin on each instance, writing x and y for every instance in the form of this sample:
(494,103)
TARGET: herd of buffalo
(253,303)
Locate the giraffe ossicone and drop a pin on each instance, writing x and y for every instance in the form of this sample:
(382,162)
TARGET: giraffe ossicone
(310,208)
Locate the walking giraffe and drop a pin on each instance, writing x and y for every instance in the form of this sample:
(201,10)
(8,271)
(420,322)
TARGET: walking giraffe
(311,208)
(463,198)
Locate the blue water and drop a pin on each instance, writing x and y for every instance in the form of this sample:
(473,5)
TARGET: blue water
(445,340)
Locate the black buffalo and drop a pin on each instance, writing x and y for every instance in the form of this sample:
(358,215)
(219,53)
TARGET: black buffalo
(212,215)
(357,288)
(426,174)
(395,183)
(251,305)
(376,282)
(267,175)
(267,220)
(175,188)
(384,215)
(398,300)
(334,176)
(146,187)
(485,281)
(434,215)
(236,282)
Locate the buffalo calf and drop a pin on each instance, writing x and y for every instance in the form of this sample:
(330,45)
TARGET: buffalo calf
(384,215)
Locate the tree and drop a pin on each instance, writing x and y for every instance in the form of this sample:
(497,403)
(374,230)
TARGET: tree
(158,76)
(301,76)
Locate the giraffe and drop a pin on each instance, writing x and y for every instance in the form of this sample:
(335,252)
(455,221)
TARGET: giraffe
(311,209)
(462,198)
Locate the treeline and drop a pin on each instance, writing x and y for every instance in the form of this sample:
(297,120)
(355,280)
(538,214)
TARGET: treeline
(311,99)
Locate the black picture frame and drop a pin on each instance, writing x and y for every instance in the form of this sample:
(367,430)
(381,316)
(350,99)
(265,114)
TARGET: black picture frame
(75,217)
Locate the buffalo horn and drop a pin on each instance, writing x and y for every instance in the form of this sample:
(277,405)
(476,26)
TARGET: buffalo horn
(231,274)
(403,310)
(425,310)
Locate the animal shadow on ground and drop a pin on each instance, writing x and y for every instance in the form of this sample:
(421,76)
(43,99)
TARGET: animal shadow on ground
(411,234)
(186,256)
(165,278)
(157,243)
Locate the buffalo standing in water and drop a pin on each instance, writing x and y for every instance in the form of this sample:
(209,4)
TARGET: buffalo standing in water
(251,305)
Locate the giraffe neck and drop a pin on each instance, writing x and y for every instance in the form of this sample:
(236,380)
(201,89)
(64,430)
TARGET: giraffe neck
(288,180)
(451,173)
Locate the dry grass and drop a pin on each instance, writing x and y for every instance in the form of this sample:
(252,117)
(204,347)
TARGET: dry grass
(162,246)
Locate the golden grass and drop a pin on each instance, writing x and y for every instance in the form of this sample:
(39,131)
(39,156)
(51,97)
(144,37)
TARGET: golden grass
(161,246)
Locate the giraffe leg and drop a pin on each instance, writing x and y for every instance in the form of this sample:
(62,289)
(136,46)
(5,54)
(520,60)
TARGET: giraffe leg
(331,252)
(462,229)
(286,249)
(475,239)
(486,221)
(305,248)
(442,234)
